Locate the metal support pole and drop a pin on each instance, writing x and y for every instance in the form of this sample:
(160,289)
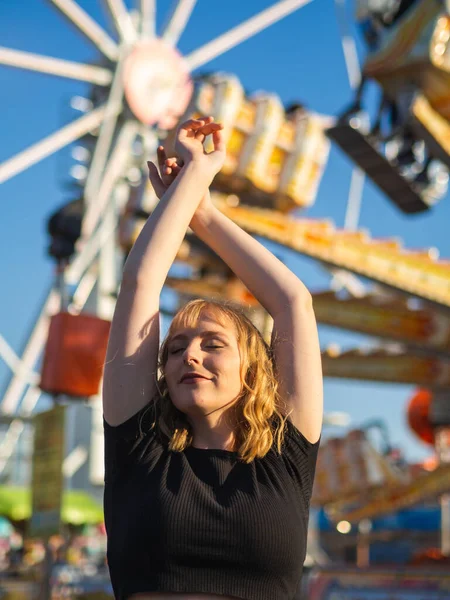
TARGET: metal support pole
(445,524)
(363,544)
(442,443)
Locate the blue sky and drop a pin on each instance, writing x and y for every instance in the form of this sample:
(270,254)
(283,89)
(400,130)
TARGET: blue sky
(299,58)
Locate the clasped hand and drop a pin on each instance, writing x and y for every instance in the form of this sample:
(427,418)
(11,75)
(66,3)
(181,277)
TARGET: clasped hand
(189,149)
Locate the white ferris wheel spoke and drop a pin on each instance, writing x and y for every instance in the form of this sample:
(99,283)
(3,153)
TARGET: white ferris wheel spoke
(54,66)
(113,171)
(178,21)
(122,20)
(89,252)
(31,353)
(17,426)
(88,27)
(94,238)
(50,144)
(9,442)
(148,19)
(84,290)
(106,135)
(242,32)
(353,67)
(15,364)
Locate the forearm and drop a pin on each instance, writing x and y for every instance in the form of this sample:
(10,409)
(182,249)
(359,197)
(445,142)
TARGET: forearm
(267,278)
(158,243)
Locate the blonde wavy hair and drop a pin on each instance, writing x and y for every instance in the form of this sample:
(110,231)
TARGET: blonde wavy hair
(258,414)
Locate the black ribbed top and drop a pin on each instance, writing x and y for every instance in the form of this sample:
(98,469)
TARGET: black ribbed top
(202,521)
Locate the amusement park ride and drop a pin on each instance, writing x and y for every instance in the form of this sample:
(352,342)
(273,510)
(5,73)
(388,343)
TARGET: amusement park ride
(275,160)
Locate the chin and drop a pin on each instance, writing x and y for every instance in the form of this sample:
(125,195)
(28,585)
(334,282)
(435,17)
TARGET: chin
(185,402)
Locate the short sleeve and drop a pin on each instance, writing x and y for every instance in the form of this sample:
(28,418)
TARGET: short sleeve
(300,457)
(122,441)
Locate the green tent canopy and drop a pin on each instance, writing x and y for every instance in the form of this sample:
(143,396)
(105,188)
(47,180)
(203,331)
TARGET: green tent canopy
(78,507)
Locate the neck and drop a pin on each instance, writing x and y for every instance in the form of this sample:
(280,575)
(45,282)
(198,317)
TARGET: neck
(212,432)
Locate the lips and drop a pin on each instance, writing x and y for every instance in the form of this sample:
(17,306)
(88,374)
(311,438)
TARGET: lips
(191,377)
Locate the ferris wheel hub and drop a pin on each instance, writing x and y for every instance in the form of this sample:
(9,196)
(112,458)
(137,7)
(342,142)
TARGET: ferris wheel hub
(158,86)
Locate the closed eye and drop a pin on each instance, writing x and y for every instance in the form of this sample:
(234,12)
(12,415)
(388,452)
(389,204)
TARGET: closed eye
(182,349)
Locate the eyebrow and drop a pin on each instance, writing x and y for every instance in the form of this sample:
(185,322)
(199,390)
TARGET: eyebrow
(182,337)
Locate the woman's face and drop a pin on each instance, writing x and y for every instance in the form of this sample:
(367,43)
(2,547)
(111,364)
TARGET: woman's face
(211,351)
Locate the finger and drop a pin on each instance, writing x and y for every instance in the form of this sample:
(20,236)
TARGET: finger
(209,128)
(155,179)
(208,119)
(161,155)
(218,141)
(164,162)
(192,124)
(174,165)
(174,162)
(189,128)
(200,136)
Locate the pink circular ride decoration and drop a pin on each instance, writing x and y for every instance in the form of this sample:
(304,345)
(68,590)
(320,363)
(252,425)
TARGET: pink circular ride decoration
(158,86)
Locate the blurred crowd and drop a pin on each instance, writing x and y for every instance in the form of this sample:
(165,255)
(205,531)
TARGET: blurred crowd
(71,565)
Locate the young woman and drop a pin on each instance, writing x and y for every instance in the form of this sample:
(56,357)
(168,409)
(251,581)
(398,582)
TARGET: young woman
(210,441)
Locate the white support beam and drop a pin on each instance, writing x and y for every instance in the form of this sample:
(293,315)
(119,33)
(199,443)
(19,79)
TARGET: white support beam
(51,144)
(122,20)
(348,46)
(88,27)
(85,258)
(85,286)
(106,135)
(353,67)
(54,66)
(15,364)
(33,349)
(113,171)
(148,19)
(346,280)
(354,201)
(178,21)
(9,442)
(242,32)
(17,426)
(100,230)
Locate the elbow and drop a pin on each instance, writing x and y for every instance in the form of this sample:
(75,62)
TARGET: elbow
(301,298)
(296,300)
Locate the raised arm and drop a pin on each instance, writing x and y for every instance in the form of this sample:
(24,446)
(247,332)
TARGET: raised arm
(294,339)
(131,360)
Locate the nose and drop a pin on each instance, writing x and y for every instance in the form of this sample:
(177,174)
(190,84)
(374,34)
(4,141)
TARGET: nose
(190,355)
(189,359)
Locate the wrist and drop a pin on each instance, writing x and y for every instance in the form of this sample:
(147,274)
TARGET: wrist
(201,168)
(203,217)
